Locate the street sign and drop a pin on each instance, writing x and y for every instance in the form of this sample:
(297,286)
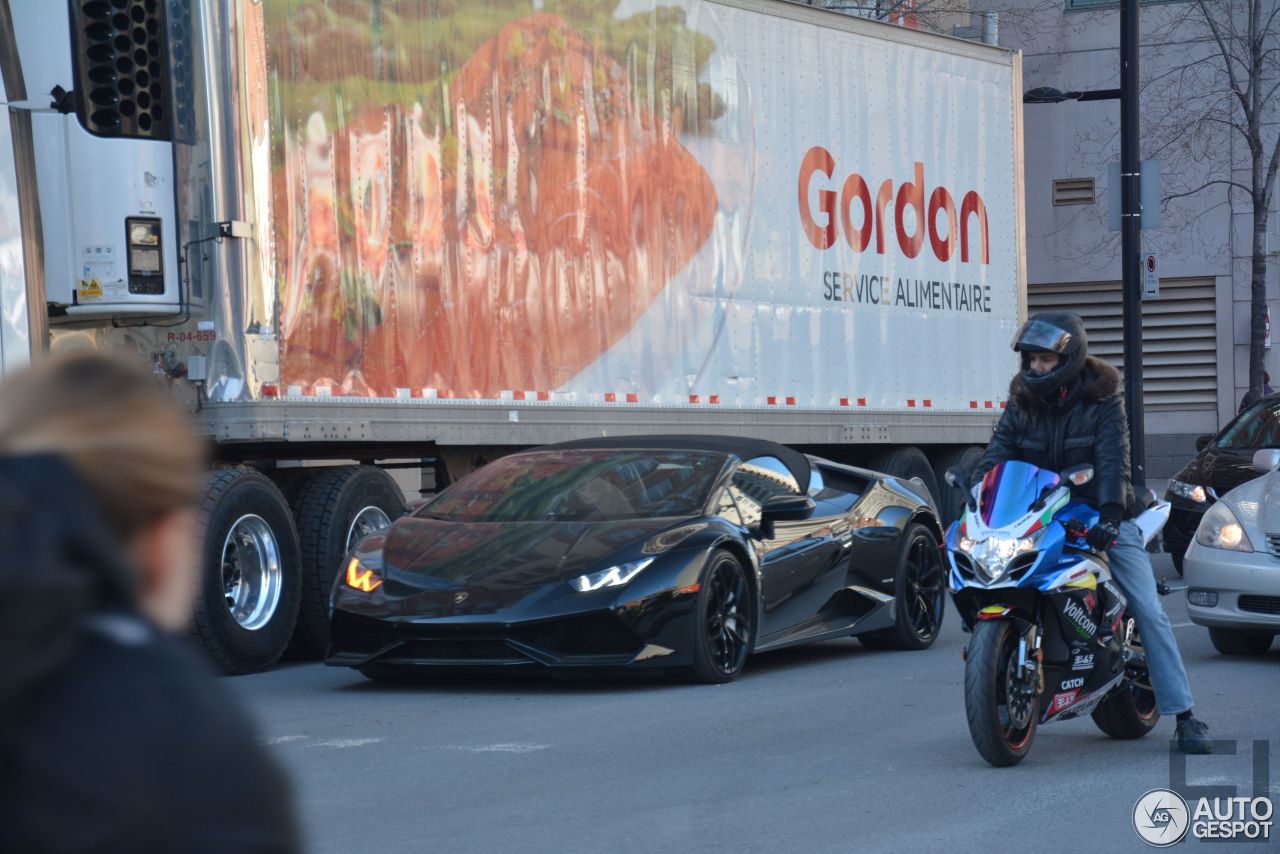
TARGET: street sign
(1150,278)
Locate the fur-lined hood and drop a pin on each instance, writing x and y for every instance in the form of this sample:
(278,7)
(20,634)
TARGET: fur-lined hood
(1101,382)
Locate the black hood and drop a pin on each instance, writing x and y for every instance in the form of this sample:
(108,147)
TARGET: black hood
(499,563)
(1220,469)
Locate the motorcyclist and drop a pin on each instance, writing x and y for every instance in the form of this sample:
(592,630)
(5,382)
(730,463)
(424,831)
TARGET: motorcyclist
(1065,408)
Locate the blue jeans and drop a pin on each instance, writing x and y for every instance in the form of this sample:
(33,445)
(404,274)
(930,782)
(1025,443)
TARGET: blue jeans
(1131,569)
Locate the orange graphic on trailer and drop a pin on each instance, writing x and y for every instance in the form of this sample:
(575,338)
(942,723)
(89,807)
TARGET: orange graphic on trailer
(480,222)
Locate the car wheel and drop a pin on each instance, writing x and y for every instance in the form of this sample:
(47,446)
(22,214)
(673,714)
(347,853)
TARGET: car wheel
(249,589)
(920,601)
(724,625)
(1177,562)
(1238,642)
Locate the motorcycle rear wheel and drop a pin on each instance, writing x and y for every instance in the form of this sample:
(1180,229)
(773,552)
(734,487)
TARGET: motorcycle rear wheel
(1130,712)
(1001,731)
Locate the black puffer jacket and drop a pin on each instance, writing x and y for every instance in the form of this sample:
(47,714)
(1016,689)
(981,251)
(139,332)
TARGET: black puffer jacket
(1087,424)
(113,735)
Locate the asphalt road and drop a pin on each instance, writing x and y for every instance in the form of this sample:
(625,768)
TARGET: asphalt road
(831,747)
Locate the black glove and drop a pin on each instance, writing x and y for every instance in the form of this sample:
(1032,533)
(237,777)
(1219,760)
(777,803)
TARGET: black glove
(1103,535)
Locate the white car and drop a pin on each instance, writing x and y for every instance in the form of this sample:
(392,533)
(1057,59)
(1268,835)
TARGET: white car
(1232,567)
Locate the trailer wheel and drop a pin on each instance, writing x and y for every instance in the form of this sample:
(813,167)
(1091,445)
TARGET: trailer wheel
(906,462)
(951,500)
(335,510)
(248,598)
(292,481)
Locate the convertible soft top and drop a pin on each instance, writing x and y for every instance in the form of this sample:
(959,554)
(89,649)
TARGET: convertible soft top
(740,446)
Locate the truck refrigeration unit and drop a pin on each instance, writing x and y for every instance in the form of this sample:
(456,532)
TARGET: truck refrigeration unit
(365,236)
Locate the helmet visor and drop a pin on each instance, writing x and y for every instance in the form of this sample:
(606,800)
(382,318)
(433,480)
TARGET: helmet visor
(1038,335)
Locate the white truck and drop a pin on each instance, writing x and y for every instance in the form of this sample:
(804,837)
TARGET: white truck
(419,234)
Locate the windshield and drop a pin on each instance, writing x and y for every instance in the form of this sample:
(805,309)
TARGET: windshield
(1011,489)
(582,486)
(1258,427)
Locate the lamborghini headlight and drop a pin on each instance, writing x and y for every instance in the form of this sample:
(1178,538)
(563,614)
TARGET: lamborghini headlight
(1220,529)
(614,576)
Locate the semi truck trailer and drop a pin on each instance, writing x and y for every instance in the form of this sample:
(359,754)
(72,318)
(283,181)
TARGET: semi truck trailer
(374,244)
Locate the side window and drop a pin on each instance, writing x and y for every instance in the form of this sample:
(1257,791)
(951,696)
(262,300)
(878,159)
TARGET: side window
(727,509)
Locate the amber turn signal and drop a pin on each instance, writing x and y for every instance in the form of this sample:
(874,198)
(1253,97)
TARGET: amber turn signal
(361,577)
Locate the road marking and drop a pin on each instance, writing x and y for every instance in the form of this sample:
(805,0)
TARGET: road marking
(343,743)
(495,748)
(1182,625)
(284,739)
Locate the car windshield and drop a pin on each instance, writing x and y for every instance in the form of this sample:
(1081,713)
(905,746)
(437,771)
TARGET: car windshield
(1258,427)
(582,486)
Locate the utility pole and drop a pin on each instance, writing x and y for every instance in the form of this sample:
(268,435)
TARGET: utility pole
(1131,239)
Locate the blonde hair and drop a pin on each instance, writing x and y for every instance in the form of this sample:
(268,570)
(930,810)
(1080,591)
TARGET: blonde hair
(112,421)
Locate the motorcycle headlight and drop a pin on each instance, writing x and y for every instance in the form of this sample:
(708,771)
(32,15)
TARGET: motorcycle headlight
(1220,529)
(1188,491)
(994,554)
(614,576)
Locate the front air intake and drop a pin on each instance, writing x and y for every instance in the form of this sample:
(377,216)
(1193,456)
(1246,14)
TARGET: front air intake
(119,49)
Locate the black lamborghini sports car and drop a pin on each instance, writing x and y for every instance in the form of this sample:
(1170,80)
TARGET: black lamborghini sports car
(684,554)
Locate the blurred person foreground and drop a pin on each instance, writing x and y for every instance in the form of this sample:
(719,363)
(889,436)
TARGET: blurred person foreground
(113,736)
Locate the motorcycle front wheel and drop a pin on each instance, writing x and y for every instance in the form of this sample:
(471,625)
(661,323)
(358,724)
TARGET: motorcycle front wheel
(1002,718)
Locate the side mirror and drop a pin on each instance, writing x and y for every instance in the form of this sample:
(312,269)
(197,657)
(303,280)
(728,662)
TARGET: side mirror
(1267,460)
(1203,440)
(1078,475)
(784,508)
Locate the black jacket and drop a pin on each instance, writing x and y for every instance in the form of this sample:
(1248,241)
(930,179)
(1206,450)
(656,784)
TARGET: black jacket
(1087,424)
(113,735)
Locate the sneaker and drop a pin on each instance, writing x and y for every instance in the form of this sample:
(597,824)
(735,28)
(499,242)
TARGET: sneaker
(1193,736)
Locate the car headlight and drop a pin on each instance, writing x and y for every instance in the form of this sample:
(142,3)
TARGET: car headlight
(994,554)
(1188,491)
(360,577)
(614,576)
(1219,529)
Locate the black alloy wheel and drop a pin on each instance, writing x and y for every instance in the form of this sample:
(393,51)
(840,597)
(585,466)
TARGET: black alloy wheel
(920,595)
(724,622)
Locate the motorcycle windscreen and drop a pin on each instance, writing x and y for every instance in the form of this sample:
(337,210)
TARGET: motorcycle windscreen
(1011,489)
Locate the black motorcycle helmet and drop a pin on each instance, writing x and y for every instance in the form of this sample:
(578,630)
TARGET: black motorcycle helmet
(1060,332)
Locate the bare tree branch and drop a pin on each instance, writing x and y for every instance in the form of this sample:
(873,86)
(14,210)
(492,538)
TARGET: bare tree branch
(1236,184)
(1226,54)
